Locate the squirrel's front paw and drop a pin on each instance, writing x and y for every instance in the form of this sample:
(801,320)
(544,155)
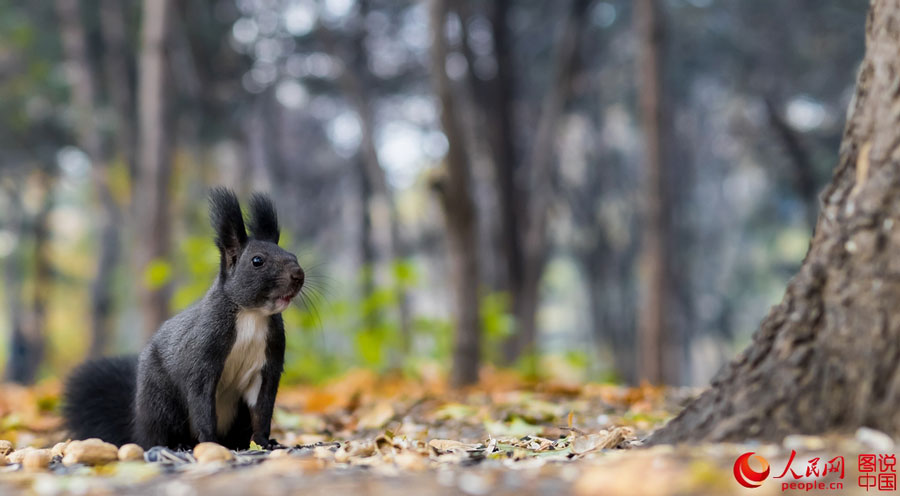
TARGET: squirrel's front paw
(274,445)
(265,443)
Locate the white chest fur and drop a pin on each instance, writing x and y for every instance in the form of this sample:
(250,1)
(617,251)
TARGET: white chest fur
(241,376)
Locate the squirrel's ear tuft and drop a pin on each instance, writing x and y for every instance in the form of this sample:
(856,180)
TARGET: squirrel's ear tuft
(228,223)
(263,218)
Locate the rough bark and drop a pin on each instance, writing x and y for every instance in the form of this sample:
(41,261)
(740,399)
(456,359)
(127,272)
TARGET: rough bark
(90,139)
(827,358)
(654,258)
(455,193)
(154,161)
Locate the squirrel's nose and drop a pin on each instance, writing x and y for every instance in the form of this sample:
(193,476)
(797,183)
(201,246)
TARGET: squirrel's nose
(297,276)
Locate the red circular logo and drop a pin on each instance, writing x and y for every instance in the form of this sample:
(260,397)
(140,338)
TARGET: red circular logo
(745,475)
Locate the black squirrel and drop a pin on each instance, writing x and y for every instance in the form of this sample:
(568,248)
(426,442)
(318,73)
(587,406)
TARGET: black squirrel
(211,372)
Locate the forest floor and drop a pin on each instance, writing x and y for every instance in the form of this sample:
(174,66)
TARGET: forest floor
(364,434)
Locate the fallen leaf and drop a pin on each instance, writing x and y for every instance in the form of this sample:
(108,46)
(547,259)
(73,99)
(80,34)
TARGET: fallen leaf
(377,416)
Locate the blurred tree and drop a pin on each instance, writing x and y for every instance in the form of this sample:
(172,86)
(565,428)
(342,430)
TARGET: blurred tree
(118,62)
(21,352)
(524,184)
(28,338)
(154,166)
(454,190)
(599,184)
(32,130)
(825,358)
(735,198)
(804,177)
(540,173)
(87,106)
(356,81)
(494,97)
(606,248)
(656,347)
(301,98)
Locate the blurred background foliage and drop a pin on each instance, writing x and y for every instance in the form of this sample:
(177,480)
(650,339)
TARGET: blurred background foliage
(331,105)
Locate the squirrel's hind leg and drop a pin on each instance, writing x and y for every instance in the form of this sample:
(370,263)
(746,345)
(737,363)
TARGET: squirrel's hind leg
(160,419)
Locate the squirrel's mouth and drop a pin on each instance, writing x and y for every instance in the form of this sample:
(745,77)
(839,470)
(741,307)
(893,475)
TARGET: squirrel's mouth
(283,301)
(280,298)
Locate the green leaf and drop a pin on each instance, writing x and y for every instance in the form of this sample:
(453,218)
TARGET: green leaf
(516,428)
(157,274)
(455,411)
(368,345)
(404,273)
(255,447)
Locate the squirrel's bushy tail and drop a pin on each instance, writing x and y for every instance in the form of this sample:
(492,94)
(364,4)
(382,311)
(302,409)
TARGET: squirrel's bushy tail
(98,399)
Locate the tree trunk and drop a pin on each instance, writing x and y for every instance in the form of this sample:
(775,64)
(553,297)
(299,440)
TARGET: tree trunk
(102,286)
(29,328)
(540,179)
(524,190)
(455,192)
(13,275)
(826,357)
(495,98)
(653,341)
(501,136)
(86,105)
(355,79)
(113,24)
(366,246)
(154,162)
(607,271)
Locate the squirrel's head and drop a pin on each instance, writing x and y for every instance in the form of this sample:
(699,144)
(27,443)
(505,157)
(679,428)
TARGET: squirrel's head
(255,272)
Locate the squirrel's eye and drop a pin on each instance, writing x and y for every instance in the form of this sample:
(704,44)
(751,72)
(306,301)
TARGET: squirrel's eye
(257,261)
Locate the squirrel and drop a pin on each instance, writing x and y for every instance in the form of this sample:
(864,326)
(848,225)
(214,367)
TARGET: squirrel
(211,372)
